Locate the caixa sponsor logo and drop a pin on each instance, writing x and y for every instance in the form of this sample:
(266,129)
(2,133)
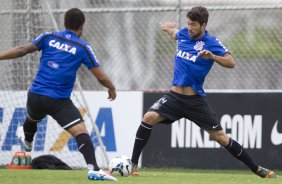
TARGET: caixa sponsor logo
(246,129)
(8,138)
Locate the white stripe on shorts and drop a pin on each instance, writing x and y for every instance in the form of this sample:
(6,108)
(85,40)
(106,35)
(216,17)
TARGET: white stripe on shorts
(71,123)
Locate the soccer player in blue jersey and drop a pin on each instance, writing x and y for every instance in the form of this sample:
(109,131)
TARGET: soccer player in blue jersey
(196,53)
(62,54)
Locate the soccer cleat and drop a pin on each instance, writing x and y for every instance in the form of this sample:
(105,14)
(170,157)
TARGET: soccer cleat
(134,170)
(27,145)
(265,173)
(100,175)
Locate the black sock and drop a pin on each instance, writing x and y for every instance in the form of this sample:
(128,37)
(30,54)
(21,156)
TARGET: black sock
(142,136)
(86,147)
(238,152)
(30,128)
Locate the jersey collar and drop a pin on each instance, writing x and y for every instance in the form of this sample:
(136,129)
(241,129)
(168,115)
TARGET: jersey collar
(203,37)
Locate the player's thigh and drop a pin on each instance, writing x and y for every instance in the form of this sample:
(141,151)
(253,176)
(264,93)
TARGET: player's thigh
(66,114)
(35,112)
(165,110)
(199,111)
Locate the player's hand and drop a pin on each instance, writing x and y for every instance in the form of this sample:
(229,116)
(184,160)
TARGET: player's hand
(112,94)
(165,26)
(206,54)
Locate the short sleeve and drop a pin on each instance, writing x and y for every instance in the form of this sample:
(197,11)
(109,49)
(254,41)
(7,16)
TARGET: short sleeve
(181,34)
(89,58)
(177,35)
(218,48)
(39,41)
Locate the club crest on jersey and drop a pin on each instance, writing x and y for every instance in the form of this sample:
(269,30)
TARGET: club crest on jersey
(199,45)
(68,36)
(62,46)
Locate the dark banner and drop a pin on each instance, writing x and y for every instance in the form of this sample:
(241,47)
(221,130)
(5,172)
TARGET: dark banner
(253,119)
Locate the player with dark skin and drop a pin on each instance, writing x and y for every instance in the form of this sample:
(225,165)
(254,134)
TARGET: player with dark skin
(197,51)
(62,54)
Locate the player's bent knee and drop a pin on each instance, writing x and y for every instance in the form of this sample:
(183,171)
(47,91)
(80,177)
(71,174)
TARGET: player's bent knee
(77,129)
(150,118)
(32,120)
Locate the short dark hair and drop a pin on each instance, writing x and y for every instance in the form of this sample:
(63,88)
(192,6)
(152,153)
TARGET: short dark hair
(74,19)
(199,14)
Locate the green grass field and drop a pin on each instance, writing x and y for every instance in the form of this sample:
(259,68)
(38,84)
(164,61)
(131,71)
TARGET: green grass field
(147,176)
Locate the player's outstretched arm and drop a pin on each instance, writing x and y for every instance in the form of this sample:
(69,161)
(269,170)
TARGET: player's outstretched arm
(105,81)
(225,61)
(17,51)
(170,28)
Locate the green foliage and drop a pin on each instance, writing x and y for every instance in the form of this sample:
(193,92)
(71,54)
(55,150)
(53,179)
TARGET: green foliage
(256,43)
(147,176)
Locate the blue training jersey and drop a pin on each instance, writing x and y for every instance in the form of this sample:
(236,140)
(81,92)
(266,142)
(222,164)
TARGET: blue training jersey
(62,54)
(190,70)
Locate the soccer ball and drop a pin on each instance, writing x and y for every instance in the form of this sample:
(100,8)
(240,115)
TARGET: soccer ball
(120,165)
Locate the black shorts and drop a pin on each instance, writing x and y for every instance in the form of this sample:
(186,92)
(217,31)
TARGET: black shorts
(62,110)
(175,106)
